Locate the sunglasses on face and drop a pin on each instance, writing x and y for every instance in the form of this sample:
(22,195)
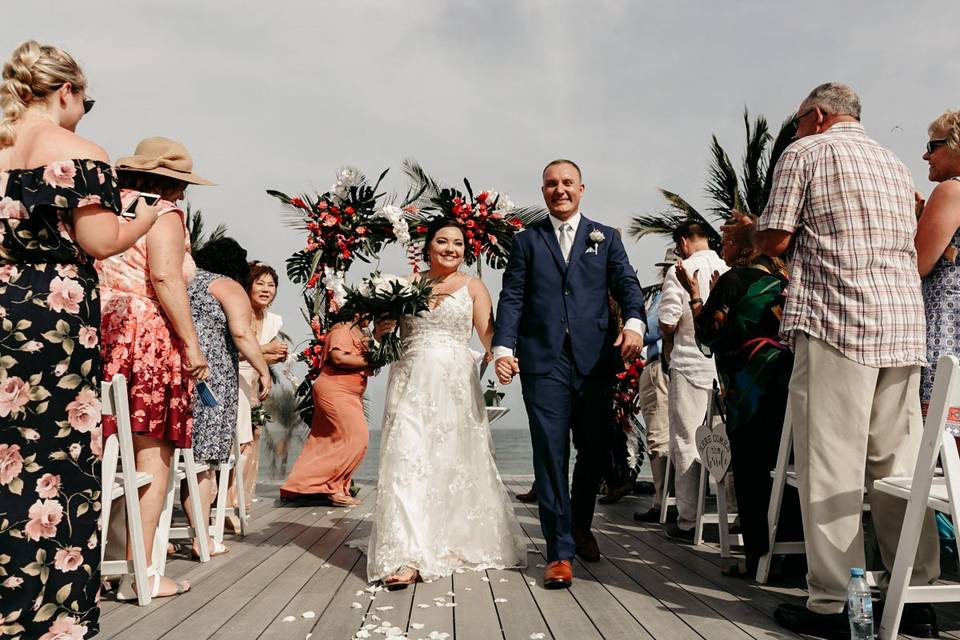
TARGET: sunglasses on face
(88,104)
(933,145)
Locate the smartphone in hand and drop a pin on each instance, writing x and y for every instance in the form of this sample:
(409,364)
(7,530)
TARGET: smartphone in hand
(130,211)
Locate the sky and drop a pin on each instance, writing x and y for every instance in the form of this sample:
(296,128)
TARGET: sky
(279,95)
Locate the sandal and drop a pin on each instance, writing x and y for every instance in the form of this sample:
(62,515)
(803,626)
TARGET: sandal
(403,578)
(127,589)
(216,549)
(343,500)
(739,570)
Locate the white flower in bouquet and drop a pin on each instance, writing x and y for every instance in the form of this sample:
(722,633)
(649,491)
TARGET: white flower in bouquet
(384,283)
(401,230)
(346,178)
(334,281)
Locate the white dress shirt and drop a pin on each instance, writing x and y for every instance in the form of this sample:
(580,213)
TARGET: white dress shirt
(686,357)
(633,324)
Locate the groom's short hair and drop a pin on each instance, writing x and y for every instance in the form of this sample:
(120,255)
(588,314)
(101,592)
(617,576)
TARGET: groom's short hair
(573,164)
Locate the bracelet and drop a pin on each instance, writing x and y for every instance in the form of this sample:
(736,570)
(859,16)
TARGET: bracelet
(694,301)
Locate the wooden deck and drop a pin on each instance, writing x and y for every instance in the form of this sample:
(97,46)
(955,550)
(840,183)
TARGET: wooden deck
(293,577)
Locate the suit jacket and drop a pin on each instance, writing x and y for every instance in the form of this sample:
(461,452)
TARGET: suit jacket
(543,299)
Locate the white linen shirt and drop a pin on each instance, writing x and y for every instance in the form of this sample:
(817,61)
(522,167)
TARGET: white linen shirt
(686,357)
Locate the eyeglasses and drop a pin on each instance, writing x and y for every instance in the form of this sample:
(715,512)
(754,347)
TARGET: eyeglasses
(933,145)
(800,116)
(88,104)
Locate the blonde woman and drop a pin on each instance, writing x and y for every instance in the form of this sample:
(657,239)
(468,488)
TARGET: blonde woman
(938,243)
(58,210)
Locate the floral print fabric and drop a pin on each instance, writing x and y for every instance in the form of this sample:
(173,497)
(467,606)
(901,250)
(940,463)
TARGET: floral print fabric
(139,342)
(50,437)
(214,427)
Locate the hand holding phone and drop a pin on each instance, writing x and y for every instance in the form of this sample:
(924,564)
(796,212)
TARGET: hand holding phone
(130,211)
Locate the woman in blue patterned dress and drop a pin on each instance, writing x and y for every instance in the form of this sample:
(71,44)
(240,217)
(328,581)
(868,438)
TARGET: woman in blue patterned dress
(58,206)
(224,320)
(938,244)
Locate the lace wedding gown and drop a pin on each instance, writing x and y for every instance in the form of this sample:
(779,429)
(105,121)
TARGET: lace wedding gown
(441,505)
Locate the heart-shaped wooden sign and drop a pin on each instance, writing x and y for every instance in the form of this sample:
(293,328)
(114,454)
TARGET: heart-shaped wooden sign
(714,448)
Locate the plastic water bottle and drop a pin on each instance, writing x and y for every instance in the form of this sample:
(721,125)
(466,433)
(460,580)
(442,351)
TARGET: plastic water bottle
(859,606)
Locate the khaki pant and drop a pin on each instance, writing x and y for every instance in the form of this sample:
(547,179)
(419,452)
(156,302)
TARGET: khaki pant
(654,394)
(853,424)
(688,408)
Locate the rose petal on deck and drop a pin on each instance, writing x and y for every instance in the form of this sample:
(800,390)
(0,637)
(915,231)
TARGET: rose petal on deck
(289,618)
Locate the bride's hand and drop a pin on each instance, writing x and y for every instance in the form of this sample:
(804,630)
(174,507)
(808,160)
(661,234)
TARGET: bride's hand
(382,328)
(507,367)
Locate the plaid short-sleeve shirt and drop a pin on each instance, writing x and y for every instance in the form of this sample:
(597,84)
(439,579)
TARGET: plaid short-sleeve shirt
(853,267)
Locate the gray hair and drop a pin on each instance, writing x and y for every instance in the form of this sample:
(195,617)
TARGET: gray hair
(835,99)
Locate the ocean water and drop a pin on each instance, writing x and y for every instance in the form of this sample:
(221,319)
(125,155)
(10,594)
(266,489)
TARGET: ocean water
(511,450)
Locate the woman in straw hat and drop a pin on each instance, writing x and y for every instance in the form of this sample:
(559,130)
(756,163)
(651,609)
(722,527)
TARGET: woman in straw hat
(148,332)
(58,206)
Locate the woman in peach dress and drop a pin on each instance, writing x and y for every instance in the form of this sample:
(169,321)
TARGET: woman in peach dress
(338,436)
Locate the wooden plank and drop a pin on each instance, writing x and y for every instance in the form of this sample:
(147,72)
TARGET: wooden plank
(426,611)
(224,574)
(324,591)
(123,617)
(476,616)
(339,620)
(612,618)
(267,597)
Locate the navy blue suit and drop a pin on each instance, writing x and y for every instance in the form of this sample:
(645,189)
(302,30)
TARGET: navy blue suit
(556,318)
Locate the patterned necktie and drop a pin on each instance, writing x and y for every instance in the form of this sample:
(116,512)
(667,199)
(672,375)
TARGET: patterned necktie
(566,240)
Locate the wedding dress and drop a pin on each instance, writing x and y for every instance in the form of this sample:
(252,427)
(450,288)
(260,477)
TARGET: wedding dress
(441,505)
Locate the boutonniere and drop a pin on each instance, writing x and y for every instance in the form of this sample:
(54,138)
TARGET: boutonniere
(596,237)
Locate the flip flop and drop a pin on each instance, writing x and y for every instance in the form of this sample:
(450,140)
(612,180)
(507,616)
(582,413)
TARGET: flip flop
(216,549)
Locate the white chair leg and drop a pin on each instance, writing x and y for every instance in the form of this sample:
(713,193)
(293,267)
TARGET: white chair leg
(701,507)
(241,491)
(108,471)
(196,505)
(776,497)
(141,570)
(223,487)
(162,537)
(723,519)
(665,497)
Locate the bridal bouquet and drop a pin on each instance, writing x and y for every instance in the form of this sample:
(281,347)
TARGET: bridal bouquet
(489,219)
(386,297)
(626,397)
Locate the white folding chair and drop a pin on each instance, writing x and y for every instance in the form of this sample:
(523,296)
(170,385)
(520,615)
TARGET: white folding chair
(221,511)
(925,490)
(123,484)
(722,518)
(165,529)
(784,475)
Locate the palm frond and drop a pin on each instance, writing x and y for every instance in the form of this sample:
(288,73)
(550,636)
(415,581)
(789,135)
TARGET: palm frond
(666,222)
(723,186)
(787,132)
(193,220)
(755,163)
(423,187)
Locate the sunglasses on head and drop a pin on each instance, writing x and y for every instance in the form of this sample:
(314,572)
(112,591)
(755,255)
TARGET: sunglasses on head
(88,104)
(933,145)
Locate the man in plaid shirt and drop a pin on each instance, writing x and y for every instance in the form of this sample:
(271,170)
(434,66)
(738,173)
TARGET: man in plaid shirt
(842,210)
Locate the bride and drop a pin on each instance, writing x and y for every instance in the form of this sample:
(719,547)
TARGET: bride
(441,505)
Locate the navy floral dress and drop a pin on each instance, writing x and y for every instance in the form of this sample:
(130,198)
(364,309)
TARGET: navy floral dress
(941,303)
(50,438)
(214,427)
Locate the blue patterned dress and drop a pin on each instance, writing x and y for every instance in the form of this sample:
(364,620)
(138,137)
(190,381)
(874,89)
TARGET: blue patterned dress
(941,301)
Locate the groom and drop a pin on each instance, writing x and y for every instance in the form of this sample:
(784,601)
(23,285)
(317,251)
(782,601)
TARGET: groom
(554,329)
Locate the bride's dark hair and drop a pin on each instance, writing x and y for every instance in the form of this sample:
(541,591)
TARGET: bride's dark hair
(433,228)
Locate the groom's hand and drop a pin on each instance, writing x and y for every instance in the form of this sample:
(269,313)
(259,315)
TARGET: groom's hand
(507,367)
(630,343)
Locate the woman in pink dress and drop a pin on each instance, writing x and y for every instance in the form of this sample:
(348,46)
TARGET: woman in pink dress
(148,332)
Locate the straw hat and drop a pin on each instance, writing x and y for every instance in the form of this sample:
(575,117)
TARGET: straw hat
(163,157)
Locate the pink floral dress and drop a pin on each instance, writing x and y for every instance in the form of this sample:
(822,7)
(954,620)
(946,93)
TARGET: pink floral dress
(139,342)
(50,440)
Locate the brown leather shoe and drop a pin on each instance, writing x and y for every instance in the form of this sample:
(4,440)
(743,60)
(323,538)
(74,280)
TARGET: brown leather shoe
(529,496)
(558,575)
(615,495)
